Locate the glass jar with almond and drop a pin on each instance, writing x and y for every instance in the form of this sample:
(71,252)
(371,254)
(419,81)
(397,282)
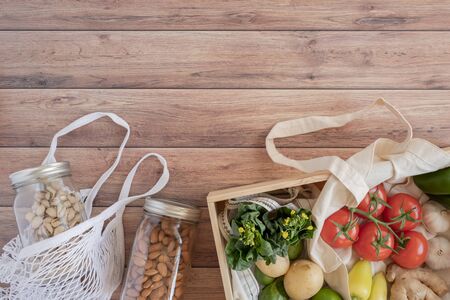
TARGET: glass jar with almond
(161,255)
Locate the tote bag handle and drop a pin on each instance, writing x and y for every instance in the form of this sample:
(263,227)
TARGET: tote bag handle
(124,198)
(87,119)
(350,178)
(159,185)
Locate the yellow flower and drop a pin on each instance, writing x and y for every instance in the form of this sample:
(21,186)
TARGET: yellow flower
(286,221)
(241,229)
(310,227)
(292,212)
(284,234)
(304,216)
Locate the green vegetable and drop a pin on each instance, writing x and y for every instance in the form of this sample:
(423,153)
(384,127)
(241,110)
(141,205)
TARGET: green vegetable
(360,280)
(295,250)
(287,227)
(248,244)
(258,234)
(442,199)
(326,294)
(274,291)
(262,278)
(435,183)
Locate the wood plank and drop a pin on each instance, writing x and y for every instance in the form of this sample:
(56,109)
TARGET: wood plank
(214,118)
(203,283)
(194,171)
(225,59)
(204,254)
(225,15)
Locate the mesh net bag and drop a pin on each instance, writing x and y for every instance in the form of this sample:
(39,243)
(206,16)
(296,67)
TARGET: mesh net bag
(86,261)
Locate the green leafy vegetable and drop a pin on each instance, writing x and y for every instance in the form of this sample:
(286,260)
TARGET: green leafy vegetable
(247,243)
(259,234)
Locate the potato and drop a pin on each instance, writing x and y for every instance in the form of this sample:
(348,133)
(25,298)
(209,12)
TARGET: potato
(279,268)
(303,280)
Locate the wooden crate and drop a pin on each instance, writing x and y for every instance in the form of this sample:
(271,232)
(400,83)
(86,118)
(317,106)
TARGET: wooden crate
(216,204)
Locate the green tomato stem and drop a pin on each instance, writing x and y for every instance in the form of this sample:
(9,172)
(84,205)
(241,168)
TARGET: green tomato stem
(376,221)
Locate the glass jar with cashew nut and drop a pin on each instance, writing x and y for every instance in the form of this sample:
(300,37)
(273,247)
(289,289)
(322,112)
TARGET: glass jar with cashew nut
(161,256)
(46,202)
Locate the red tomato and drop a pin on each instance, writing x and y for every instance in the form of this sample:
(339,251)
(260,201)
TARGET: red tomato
(405,210)
(340,230)
(374,244)
(375,200)
(413,253)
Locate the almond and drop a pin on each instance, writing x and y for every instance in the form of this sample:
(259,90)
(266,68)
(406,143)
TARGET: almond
(155,247)
(154,255)
(162,268)
(154,236)
(151,272)
(138,261)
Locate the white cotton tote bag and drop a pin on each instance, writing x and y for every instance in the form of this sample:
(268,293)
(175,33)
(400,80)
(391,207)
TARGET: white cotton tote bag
(383,160)
(86,261)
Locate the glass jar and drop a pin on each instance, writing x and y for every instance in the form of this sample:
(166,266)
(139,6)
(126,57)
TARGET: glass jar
(46,202)
(161,254)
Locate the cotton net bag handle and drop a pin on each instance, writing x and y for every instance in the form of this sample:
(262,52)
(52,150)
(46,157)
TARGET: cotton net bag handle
(124,196)
(114,210)
(124,199)
(345,173)
(55,241)
(87,119)
(118,208)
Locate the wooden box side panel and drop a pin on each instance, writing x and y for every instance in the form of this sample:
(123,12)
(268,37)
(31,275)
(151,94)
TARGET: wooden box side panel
(216,198)
(220,248)
(267,186)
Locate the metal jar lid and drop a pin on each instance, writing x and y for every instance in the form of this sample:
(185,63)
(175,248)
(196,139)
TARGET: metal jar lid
(39,174)
(172,209)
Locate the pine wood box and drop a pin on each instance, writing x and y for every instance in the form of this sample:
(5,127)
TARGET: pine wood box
(216,204)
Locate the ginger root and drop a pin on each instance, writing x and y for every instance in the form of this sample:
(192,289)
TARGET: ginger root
(415,284)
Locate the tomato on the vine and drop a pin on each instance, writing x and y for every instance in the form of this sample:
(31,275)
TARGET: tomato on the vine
(375,201)
(412,250)
(374,243)
(340,230)
(404,210)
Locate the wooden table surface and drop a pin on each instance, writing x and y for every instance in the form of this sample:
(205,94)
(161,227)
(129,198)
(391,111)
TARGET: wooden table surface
(202,82)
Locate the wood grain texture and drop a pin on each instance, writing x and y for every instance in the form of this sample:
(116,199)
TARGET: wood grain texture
(214,118)
(204,254)
(301,59)
(194,171)
(202,83)
(224,15)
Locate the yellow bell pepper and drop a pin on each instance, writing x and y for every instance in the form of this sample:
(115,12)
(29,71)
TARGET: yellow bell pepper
(360,280)
(379,287)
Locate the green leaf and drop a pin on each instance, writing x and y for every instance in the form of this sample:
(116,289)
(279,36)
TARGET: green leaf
(259,234)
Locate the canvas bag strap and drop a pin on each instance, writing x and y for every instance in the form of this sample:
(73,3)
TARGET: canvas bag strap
(124,195)
(124,198)
(87,119)
(341,169)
